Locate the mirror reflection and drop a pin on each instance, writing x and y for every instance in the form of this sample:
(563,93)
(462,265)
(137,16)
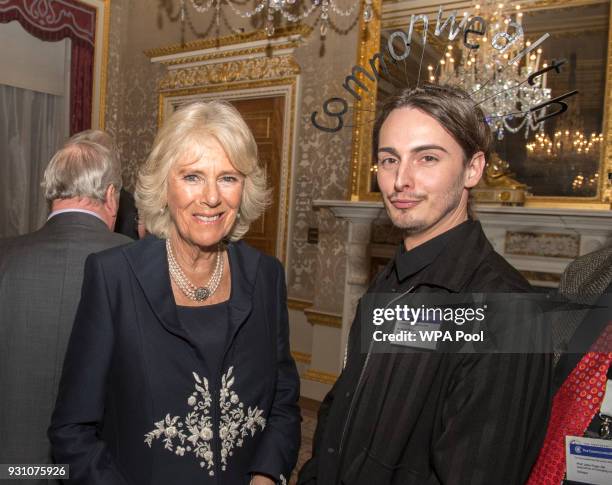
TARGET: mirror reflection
(569,145)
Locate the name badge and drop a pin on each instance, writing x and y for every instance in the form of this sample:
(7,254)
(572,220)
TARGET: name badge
(588,460)
(418,335)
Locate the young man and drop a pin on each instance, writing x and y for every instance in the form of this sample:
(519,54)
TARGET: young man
(427,418)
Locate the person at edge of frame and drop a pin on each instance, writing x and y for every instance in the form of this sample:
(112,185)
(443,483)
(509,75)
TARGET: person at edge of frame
(41,274)
(581,405)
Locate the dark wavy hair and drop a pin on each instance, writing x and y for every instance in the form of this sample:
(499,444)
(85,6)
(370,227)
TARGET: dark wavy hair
(452,107)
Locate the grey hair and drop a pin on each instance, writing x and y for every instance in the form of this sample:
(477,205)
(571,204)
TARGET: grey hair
(81,169)
(183,135)
(97,136)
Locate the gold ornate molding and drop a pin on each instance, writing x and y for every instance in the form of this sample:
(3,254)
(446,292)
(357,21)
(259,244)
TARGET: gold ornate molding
(249,51)
(369,44)
(369,40)
(320,376)
(301,357)
(104,67)
(201,44)
(605,188)
(603,199)
(546,4)
(318,317)
(231,72)
(297,304)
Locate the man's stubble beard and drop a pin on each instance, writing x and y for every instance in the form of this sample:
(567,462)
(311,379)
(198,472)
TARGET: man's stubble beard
(451,201)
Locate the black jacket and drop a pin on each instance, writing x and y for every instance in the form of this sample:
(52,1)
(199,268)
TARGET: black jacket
(137,404)
(430,418)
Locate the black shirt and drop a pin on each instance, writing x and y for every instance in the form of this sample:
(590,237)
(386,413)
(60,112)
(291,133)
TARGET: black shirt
(408,263)
(432,418)
(207,326)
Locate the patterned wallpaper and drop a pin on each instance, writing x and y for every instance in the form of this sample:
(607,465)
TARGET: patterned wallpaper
(321,172)
(131,105)
(321,167)
(118,28)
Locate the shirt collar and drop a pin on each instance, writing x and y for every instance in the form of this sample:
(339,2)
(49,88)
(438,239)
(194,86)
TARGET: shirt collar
(83,211)
(408,263)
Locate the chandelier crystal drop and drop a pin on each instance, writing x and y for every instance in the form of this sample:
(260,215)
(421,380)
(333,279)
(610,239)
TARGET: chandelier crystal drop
(497,85)
(273,11)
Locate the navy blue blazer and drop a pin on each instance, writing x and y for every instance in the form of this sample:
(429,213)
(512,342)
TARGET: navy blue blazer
(137,403)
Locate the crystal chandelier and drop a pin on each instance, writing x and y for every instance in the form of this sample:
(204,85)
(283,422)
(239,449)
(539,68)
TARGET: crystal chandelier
(570,147)
(587,184)
(274,11)
(565,143)
(500,88)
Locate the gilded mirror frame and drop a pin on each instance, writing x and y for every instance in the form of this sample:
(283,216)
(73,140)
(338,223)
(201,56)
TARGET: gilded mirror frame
(369,35)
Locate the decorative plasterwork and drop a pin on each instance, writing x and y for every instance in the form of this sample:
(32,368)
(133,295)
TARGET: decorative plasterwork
(231,72)
(256,37)
(545,244)
(229,55)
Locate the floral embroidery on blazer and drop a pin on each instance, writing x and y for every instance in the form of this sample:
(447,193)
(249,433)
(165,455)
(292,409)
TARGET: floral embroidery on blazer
(197,427)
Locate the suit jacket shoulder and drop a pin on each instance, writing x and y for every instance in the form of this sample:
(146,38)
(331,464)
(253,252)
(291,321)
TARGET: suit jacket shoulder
(588,275)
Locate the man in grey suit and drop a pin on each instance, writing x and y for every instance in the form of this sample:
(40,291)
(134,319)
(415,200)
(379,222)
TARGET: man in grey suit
(40,283)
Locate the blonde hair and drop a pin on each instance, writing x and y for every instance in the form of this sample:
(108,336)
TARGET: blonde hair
(81,169)
(182,134)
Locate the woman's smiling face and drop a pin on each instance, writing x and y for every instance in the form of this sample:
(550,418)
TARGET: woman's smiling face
(204,194)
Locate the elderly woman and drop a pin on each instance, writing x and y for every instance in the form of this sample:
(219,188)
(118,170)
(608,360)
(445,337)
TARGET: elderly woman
(178,368)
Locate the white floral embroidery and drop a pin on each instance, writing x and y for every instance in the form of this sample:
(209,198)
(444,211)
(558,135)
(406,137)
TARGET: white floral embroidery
(194,434)
(196,429)
(283,480)
(235,423)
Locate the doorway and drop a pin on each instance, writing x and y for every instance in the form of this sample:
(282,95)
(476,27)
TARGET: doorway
(265,118)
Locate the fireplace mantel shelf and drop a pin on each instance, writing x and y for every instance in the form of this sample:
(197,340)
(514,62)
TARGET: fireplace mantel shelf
(347,208)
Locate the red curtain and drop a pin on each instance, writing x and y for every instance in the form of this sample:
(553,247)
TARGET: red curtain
(53,20)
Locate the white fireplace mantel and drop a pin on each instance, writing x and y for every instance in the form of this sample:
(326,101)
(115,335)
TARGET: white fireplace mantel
(597,222)
(364,211)
(540,242)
